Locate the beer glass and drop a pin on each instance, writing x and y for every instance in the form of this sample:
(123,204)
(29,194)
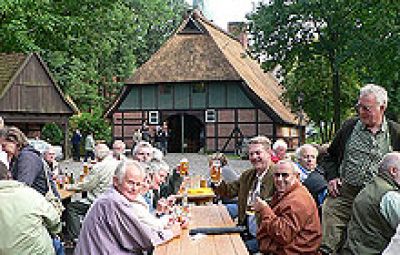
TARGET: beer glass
(215,171)
(251,201)
(85,169)
(184,167)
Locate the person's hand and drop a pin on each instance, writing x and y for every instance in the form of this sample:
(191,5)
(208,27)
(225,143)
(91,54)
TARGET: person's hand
(185,223)
(259,204)
(333,187)
(171,200)
(176,229)
(161,206)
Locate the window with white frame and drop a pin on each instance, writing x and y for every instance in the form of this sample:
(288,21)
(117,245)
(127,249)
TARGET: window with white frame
(153,117)
(211,115)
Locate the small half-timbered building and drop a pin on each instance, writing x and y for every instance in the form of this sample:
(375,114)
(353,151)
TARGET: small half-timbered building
(30,97)
(208,89)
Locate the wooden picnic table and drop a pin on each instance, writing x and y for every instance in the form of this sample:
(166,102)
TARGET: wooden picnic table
(205,216)
(198,199)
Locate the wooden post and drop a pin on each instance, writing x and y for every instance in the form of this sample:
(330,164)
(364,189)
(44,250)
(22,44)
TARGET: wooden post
(66,139)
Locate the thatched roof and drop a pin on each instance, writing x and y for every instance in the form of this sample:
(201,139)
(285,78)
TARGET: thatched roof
(201,51)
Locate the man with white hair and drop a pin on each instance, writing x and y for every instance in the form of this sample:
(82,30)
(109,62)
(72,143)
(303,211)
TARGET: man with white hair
(119,150)
(310,175)
(97,182)
(290,222)
(143,152)
(376,210)
(279,149)
(49,157)
(352,161)
(111,226)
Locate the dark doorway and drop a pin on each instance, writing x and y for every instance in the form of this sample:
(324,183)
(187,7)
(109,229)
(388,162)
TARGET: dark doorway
(193,128)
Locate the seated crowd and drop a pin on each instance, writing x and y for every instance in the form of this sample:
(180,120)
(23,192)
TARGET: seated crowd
(348,202)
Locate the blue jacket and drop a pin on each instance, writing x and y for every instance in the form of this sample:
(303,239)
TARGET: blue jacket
(27,167)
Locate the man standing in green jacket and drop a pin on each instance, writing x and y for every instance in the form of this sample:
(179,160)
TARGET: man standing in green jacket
(376,211)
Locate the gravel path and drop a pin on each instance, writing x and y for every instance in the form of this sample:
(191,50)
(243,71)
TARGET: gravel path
(198,163)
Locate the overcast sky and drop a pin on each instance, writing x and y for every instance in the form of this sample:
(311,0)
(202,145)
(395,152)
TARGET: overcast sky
(223,11)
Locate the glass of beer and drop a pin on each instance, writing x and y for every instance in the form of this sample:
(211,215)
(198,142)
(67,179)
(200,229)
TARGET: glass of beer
(203,182)
(85,169)
(251,201)
(215,171)
(184,167)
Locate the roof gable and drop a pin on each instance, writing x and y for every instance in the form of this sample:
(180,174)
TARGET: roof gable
(29,86)
(192,27)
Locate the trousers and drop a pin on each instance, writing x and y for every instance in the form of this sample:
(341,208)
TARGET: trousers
(336,214)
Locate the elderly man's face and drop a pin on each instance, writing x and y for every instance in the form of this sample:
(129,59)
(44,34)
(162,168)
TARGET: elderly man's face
(280,152)
(284,177)
(49,155)
(132,183)
(118,148)
(308,158)
(146,185)
(259,157)
(144,154)
(370,111)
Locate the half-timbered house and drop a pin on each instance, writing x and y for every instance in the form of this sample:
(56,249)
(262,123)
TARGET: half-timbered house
(208,89)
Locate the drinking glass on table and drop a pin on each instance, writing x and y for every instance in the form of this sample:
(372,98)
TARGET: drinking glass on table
(184,167)
(215,171)
(251,201)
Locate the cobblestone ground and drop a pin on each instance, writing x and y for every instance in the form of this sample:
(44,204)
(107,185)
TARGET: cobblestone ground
(198,163)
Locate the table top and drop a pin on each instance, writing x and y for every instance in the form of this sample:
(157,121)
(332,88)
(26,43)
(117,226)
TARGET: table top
(65,194)
(205,216)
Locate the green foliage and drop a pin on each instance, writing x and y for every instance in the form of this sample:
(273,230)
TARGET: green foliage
(327,50)
(88,123)
(90,46)
(52,133)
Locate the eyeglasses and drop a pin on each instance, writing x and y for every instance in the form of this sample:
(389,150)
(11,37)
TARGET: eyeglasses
(366,108)
(283,175)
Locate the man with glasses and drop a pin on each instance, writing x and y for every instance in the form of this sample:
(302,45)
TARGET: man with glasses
(352,161)
(290,222)
(255,181)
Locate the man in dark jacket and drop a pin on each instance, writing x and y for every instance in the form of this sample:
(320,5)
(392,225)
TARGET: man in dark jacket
(256,181)
(352,161)
(376,210)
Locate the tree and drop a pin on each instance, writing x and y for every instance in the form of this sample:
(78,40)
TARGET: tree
(90,46)
(317,43)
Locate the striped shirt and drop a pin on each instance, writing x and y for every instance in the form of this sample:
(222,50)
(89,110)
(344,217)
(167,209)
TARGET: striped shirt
(363,154)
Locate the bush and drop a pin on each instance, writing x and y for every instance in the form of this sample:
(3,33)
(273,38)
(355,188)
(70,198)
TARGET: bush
(87,122)
(52,134)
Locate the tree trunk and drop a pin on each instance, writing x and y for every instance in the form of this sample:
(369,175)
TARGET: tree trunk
(335,90)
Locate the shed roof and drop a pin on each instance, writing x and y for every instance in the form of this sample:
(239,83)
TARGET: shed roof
(11,64)
(201,51)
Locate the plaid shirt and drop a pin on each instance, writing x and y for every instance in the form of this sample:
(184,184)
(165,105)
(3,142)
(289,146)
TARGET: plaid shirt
(363,154)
